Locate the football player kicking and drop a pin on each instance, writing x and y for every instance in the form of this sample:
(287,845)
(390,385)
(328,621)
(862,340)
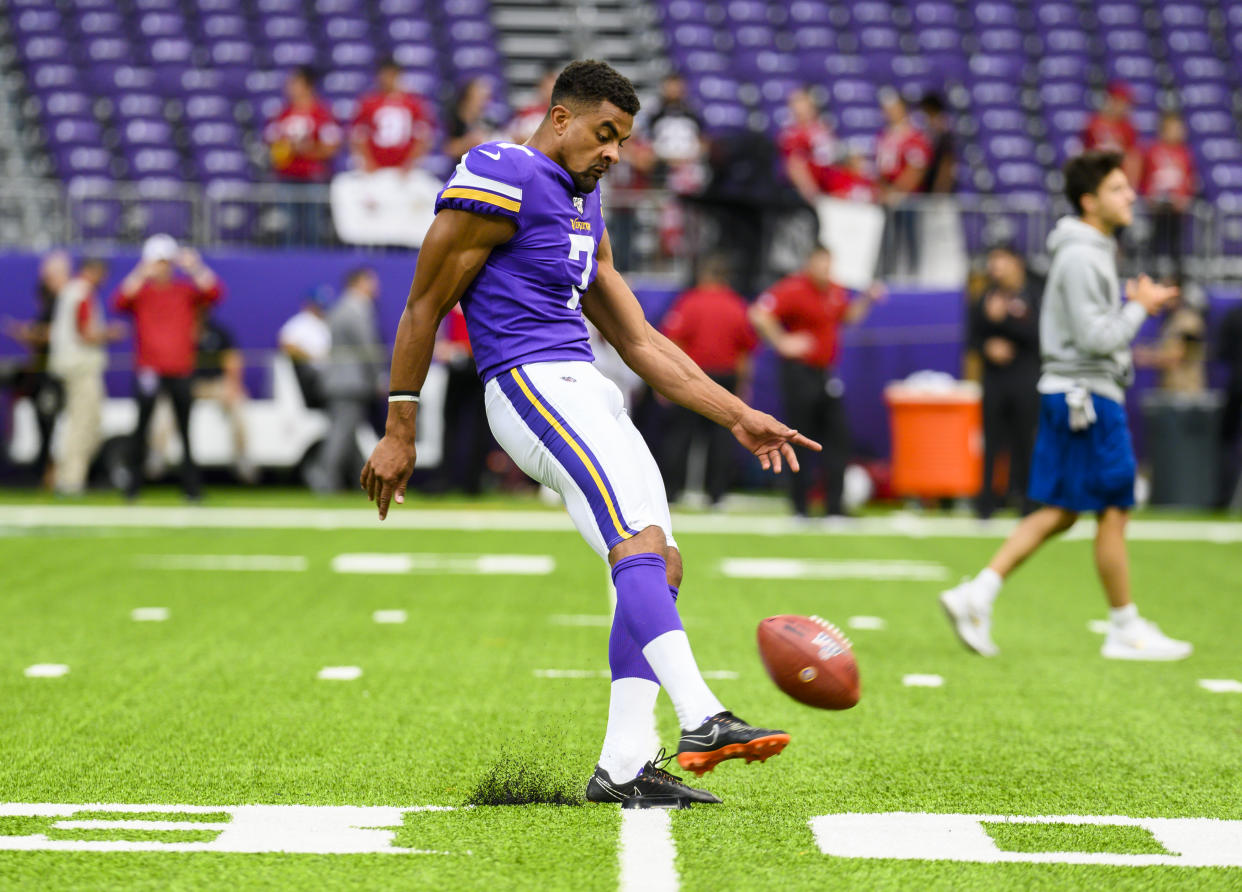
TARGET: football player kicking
(1083,459)
(519,240)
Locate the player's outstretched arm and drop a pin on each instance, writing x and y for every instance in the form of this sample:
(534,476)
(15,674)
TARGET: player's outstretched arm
(455,249)
(615,311)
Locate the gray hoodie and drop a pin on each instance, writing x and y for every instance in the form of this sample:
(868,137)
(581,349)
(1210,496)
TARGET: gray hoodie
(1085,329)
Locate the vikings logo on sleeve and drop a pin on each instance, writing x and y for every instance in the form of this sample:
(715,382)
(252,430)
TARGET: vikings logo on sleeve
(525,303)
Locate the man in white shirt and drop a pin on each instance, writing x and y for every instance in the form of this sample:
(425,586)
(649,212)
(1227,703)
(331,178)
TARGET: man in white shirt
(306,339)
(78,341)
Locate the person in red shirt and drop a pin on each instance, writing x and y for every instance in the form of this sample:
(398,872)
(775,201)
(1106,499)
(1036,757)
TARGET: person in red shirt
(1169,185)
(902,156)
(165,307)
(809,148)
(1110,130)
(303,138)
(392,128)
(527,119)
(801,317)
(709,322)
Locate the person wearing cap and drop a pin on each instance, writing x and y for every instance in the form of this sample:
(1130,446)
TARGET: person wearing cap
(165,293)
(307,340)
(1110,129)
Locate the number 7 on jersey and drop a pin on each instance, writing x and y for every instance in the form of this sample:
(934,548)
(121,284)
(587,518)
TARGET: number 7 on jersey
(580,245)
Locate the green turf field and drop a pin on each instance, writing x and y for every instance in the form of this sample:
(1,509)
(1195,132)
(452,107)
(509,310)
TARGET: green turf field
(219,705)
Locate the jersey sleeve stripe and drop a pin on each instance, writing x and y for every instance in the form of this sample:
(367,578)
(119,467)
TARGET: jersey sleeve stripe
(470,180)
(485,197)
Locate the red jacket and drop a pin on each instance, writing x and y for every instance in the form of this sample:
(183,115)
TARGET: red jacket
(165,323)
(711,325)
(393,125)
(801,307)
(292,129)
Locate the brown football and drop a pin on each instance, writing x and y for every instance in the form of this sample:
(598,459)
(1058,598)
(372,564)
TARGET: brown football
(810,660)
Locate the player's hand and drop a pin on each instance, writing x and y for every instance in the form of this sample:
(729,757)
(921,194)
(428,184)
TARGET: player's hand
(387,472)
(1152,297)
(770,440)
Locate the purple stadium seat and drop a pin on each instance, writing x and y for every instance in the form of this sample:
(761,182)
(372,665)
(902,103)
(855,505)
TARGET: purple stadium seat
(809,12)
(46,48)
(755,37)
(1002,40)
(1189,42)
(82,161)
(279,7)
(147,132)
(76,132)
(231,54)
(987,66)
(66,104)
(1205,95)
(153,162)
(939,40)
(1213,122)
(819,38)
(935,14)
(222,163)
(101,23)
(995,93)
(747,11)
(391,9)
(169,53)
(1132,69)
(1121,41)
(1119,15)
(157,5)
(30,22)
(719,116)
(292,53)
(279,28)
(341,28)
(161,24)
(224,26)
(164,207)
(140,105)
(696,35)
(108,50)
(208,107)
(1066,94)
(856,119)
(1009,147)
(1004,120)
(1185,15)
(95,214)
(853,91)
(215,134)
(53,76)
(704,62)
(207,7)
(1052,15)
(406,30)
(418,56)
(1020,176)
(466,8)
(992,14)
(354,55)
(1189,69)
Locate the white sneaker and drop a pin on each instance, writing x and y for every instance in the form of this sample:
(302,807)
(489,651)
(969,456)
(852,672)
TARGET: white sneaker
(971,616)
(1140,639)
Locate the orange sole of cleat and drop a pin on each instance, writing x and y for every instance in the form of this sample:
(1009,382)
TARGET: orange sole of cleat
(761,749)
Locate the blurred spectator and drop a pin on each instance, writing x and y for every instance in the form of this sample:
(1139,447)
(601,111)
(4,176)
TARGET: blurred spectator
(165,308)
(1181,353)
(1110,130)
(78,356)
(902,158)
(526,121)
(709,322)
(809,148)
(468,124)
(1229,352)
(1004,331)
(675,133)
(941,175)
(303,138)
(467,436)
(306,339)
(1169,186)
(351,379)
(218,375)
(801,317)
(392,128)
(43,388)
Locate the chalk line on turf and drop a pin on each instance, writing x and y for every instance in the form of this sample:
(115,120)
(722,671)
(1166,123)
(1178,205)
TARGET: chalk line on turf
(919,680)
(798,568)
(646,852)
(46,670)
(149,614)
(465,564)
(1221,685)
(339,673)
(262,563)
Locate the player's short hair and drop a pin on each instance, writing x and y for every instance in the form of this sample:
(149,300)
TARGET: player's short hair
(388,63)
(932,104)
(588,82)
(716,266)
(308,74)
(1085,172)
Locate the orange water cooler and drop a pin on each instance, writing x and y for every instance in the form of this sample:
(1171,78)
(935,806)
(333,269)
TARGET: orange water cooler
(937,437)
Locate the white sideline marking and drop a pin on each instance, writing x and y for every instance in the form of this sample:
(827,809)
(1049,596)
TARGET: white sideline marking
(46,670)
(922,681)
(1193,842)
(149,614)
(1099,626)
(873,623)
(469,564)
(339,673)
(899,525)
(311,829)
(647,855)
(1221,685)
(278,563)
(715,674)
(797,568)
(580,619)
(390,616)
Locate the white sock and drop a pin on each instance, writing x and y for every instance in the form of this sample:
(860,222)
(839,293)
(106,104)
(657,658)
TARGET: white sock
(631,737)
(988,584)
(1123,616)
(673,662)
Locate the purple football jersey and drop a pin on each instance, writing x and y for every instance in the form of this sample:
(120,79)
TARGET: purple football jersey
(524,304)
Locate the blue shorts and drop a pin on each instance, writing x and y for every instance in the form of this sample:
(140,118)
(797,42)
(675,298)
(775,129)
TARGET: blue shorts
(1087,470)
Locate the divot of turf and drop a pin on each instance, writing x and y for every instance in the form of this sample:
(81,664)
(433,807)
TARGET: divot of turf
(523,780)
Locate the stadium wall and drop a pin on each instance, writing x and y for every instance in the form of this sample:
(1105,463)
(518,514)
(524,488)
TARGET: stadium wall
(911,330)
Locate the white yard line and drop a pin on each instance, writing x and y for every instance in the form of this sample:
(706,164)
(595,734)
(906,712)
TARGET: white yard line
(1221,685)
(581,619)
(796,568)
(339,673)
(262,563)
(916,680)
(869,623)
(463,564)
(390,617)
(46,670)
(645,850)
(709,674)
(149,614)
(414,518)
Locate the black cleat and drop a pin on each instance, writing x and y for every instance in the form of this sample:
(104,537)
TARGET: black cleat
(725,736)
(653,783)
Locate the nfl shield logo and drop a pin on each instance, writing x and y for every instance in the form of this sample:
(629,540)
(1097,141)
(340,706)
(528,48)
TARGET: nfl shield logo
(578,203)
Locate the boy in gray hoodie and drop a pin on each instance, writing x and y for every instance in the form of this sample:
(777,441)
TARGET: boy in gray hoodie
(1083,458)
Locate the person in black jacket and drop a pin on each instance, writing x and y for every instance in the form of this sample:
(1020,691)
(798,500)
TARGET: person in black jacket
(1004,330)
(1229,352)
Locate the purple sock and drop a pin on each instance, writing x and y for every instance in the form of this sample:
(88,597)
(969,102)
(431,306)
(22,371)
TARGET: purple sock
(643,602)
(625,657)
